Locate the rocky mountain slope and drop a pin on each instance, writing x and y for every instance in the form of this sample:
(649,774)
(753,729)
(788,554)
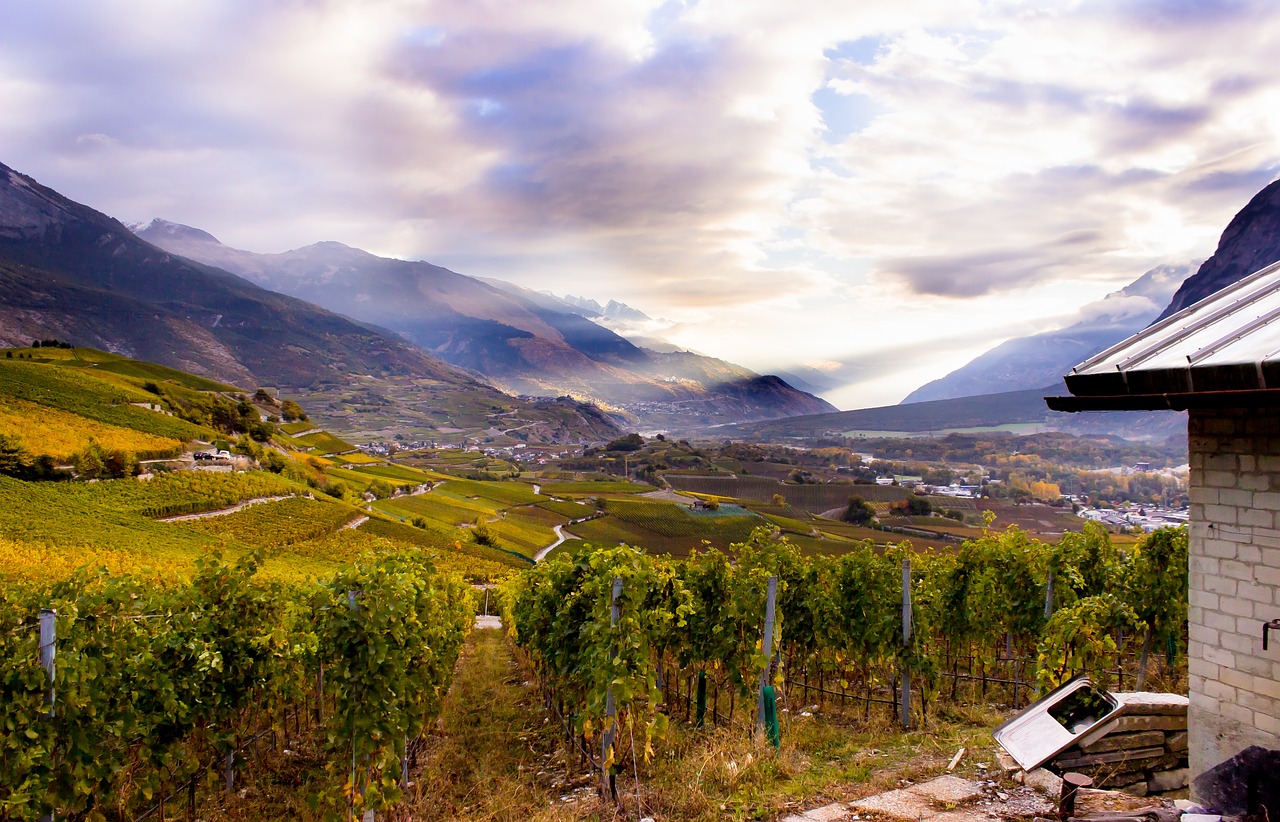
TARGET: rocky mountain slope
(520,341)
(1251,241)
(1042,359)
(71,273)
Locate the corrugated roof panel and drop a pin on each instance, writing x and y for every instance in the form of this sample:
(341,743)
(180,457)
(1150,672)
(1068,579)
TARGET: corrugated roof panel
(1218,344)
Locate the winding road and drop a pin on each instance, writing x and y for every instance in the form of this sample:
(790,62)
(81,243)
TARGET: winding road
(561,536)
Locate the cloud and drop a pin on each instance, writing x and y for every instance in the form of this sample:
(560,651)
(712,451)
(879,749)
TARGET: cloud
(731,164)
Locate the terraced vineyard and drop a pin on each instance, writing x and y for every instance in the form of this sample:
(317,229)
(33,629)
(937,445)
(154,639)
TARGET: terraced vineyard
(278,523)
(60,434)
(101,398)
(323,442)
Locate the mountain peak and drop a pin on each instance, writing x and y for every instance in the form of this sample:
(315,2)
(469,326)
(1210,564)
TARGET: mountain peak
(158,227)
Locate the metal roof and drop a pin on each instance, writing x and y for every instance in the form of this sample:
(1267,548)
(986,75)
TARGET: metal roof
(1223,350)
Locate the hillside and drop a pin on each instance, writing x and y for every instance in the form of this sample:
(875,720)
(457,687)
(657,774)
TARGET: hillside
(521,341)
(71,273)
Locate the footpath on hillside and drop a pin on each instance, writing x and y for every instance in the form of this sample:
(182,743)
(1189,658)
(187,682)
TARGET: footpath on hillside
(491,754)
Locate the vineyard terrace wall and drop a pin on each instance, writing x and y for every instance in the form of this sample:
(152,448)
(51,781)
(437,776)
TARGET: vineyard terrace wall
(1234,586)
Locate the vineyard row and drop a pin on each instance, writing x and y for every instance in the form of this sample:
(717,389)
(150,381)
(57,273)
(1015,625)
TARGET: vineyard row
(133,689)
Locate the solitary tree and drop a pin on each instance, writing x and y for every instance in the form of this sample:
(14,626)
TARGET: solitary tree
(859,512)
(918,506)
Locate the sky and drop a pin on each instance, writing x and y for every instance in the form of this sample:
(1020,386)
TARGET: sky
(868,194)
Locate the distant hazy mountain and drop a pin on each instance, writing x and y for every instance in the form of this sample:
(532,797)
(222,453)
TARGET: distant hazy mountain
(1042,359)
(1023,408)
(622,319)
(520,340)
(1251,241)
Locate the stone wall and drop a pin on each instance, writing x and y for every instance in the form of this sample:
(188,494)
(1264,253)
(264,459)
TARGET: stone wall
(1235,583)
(1142,750)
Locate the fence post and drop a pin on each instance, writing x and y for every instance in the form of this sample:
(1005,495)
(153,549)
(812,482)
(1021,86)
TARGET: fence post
(610,708)
(1048,598)
(48,648)
(353,604)
(906,641)
(766,645)
(48,653)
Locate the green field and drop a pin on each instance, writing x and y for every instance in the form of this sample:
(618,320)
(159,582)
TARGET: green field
(508,510)
(665,527)
(322,442)
(812,498)
(441,541)
(588,489)
(104,362)
(568,510)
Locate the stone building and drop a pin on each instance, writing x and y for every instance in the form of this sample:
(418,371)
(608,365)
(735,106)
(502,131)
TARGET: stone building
(1219,360)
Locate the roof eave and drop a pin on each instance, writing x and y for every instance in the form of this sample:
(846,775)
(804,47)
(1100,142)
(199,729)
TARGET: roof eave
(1182,401)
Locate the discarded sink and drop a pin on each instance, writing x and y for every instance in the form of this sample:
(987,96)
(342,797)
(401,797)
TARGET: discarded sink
(1056,722)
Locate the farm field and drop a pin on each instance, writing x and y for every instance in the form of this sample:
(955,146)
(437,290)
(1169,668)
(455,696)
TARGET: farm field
(665,527)
(593,488)
(441,542)
(879,538)
(812,498)
(567,509)
(508,510)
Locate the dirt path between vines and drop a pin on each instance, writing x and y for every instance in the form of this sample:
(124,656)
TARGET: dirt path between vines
(490,757)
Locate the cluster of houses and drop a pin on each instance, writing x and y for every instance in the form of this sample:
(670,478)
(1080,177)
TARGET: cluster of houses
(1131,515)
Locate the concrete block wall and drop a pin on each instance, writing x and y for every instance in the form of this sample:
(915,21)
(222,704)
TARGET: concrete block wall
(1235,583)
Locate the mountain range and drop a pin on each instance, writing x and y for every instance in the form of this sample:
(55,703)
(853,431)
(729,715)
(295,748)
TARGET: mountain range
(522,341)
(70,273)
(386,334)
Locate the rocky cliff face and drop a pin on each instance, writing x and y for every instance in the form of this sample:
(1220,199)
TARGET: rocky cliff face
(1250,242)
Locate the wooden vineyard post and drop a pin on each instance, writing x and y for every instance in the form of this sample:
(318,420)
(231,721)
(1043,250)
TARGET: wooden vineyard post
(906,641)
(48,653)
(766,645)
(353,603)
(1048,598)
(610,709)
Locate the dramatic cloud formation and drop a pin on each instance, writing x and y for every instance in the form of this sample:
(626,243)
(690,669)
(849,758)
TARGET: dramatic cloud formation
(866,193)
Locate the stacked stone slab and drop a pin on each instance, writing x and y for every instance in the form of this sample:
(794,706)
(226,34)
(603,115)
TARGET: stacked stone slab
(1143,749)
